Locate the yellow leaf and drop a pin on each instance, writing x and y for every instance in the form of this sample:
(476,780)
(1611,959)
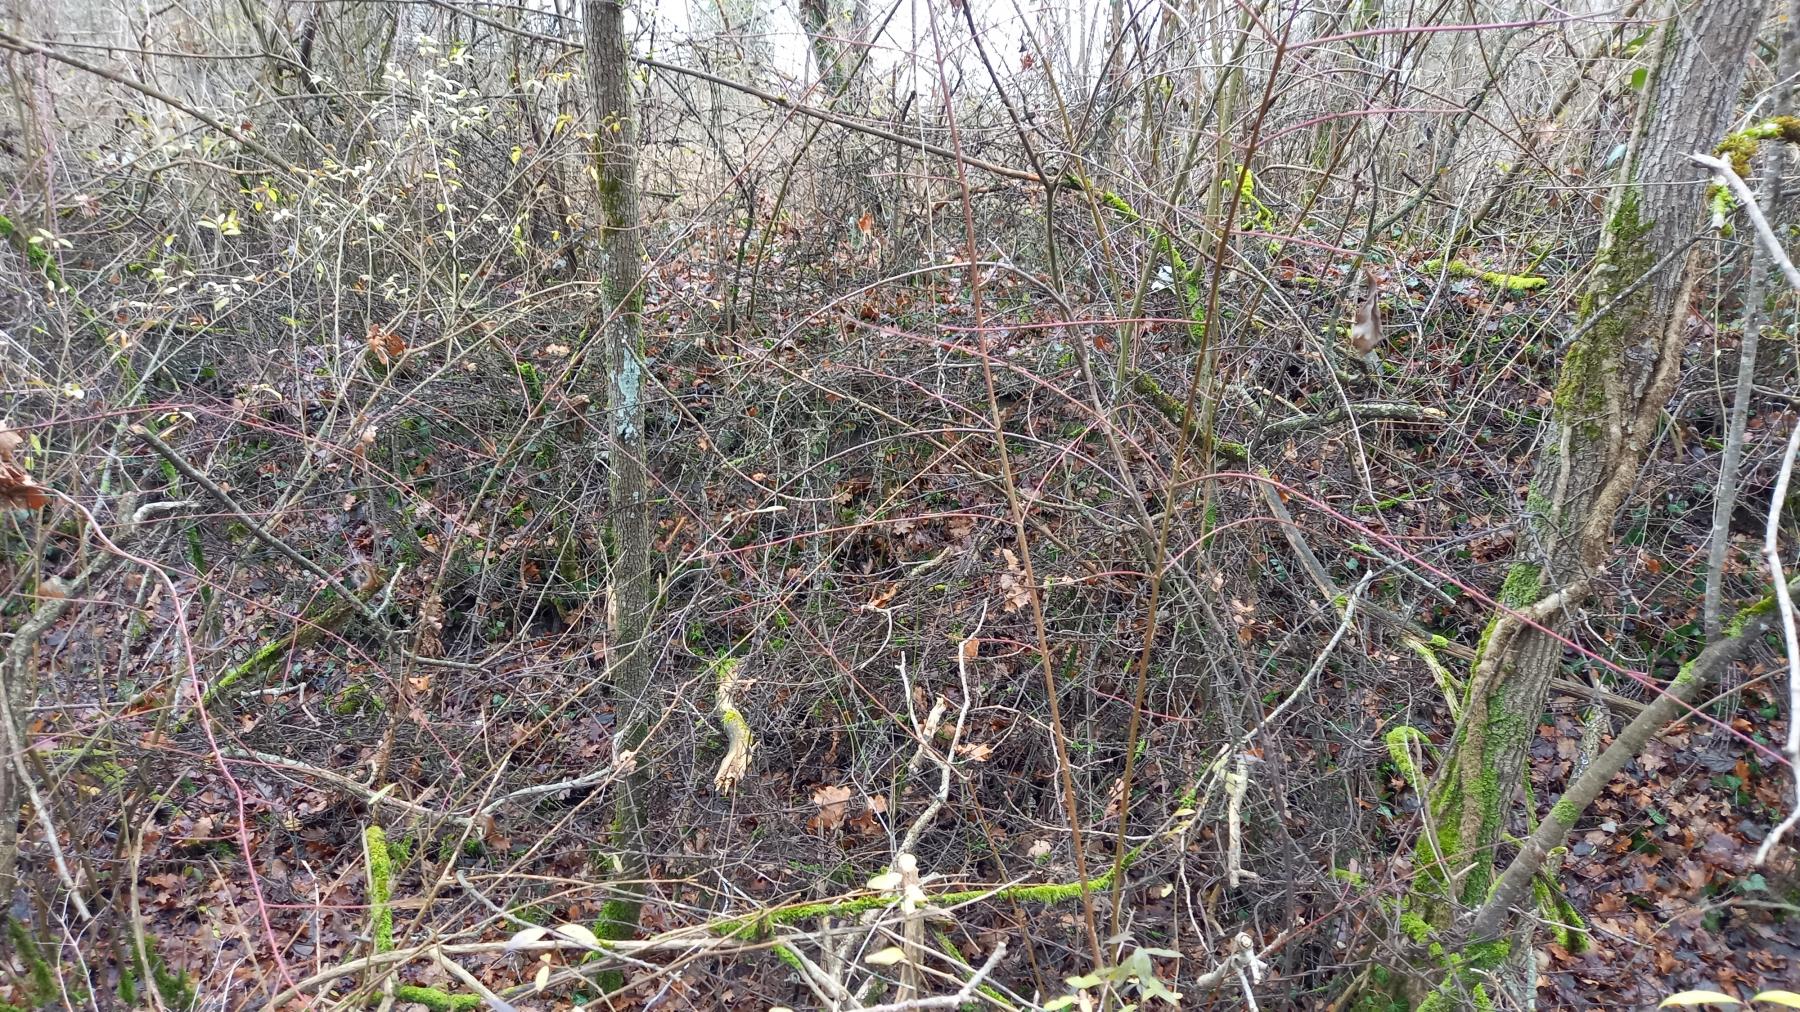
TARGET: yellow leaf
(1698,998)
(517,153)
(882,883)
(542,979)
(886,957)
(1786,999)
(527,936)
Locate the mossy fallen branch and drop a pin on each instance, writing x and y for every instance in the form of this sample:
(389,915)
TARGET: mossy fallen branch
(737,730)
(1183,278)
(1173,409)
(381,888)
(1447,683)
(379,862)
(1510,282)
(308,631)
(437,999)
(789,957)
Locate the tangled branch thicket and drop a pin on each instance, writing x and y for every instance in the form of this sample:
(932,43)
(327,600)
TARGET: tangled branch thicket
(1021,515)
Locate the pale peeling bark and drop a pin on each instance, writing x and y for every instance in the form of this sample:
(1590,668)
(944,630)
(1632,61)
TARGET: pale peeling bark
(630,590)
(1615,382)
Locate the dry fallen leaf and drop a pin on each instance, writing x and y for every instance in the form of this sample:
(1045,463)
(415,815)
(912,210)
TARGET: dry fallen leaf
(579,933)
(385,345)
(17,488)
(832,802)
(886,957)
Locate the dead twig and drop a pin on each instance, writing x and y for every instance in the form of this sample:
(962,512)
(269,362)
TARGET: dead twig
(1784,602)
(261,533)
(963,994)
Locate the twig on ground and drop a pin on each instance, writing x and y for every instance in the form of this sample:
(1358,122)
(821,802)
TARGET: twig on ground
(1318,664)
(16,685)
(1236,783)
(255,527)
(823,984)
(592,779)
(736,761)
(965,993)
(473,983)
(927,733)
(366,794)
(1243,955)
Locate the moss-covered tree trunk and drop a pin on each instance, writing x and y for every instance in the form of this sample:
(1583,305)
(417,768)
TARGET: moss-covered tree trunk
(1614,385)
(835,28)
(629,588)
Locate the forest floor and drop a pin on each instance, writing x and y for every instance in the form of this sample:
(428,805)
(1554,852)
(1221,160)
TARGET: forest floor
(1660,867)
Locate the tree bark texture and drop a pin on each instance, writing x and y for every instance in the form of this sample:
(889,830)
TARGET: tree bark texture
(835,29)
(1615,382)
(619,325)
(1757,311)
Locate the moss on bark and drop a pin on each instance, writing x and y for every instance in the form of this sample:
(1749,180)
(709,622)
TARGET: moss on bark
(1510,282)
(381,889)
(437,999)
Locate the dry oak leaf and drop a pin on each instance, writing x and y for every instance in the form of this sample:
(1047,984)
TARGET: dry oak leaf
(1012,583)
(832,802)
(18,489)
(385,345)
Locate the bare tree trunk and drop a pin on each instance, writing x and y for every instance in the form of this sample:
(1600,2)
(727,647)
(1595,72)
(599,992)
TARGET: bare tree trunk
(837,30)
(1755,314)
(620,326)
(1614,385)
